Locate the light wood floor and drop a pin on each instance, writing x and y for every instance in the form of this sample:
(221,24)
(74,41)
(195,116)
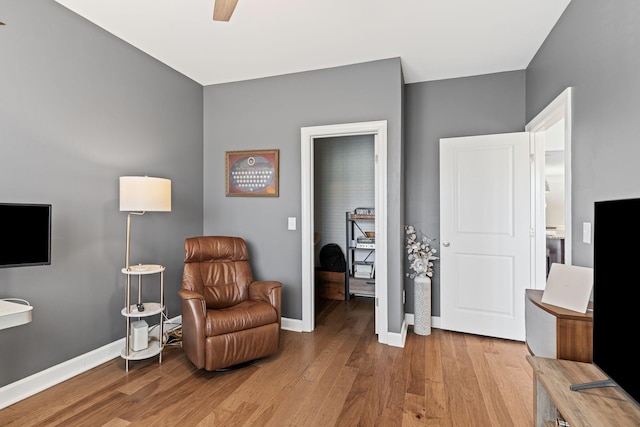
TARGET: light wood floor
(336,376)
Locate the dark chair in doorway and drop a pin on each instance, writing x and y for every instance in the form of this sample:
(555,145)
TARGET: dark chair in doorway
(228,319)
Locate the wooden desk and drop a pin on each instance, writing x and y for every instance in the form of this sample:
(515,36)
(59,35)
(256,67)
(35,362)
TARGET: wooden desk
(595,407)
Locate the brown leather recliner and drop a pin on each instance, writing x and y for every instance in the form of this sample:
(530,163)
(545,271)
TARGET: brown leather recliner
(227,317)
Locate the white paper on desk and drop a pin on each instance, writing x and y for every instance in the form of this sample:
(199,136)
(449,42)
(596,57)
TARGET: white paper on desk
(569,286)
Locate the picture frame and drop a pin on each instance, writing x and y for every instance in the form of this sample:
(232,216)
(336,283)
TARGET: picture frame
(252,173)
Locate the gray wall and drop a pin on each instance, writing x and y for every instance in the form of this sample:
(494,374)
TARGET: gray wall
(487,104)
(268,114)
(594,48)
(78,109)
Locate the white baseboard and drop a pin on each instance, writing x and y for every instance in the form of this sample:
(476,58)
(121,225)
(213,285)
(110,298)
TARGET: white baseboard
(409,318)
(294,325)
(40,381)
(397,339)
(435,320)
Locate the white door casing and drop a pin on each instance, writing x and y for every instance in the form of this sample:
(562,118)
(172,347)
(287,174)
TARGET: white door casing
(558,109)
(307,135)
(485,234)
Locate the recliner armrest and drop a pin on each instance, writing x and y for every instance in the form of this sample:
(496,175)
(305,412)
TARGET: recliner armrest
(191,295)
(194,313)
(268,291)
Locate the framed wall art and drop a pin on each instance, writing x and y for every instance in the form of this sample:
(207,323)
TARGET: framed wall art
(252,173)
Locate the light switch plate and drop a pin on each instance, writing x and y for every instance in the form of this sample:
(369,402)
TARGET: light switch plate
(292,223)
(586,232)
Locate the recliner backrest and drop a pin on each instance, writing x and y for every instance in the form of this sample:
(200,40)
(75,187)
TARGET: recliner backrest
(218,268)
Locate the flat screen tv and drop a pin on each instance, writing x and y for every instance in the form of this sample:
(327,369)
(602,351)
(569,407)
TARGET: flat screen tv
(616,294)
(25,239)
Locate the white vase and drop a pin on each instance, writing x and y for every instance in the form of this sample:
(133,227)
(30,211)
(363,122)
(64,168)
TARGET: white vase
(422,305)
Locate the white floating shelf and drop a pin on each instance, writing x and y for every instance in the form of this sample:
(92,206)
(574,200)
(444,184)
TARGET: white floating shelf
(14,314)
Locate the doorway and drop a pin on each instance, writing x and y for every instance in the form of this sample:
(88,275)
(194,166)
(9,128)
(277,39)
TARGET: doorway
(551,187)
(309,135)
(344,183)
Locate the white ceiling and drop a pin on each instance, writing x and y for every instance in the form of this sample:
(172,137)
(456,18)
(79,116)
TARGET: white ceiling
(435,39)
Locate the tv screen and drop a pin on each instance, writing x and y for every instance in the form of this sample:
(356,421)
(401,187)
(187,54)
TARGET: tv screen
(616,292)
(26,234)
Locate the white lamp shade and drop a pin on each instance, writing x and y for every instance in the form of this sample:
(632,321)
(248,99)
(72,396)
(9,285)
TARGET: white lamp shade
(145,193)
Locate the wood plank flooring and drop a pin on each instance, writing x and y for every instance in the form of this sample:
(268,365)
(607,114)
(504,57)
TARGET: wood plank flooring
(336,376)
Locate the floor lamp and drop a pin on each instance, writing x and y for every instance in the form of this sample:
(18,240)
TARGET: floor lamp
(140,194)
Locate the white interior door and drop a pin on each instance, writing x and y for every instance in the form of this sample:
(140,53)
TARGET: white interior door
(485,234)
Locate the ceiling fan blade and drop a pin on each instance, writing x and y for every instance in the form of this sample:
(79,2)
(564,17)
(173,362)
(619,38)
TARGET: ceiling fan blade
(223,9)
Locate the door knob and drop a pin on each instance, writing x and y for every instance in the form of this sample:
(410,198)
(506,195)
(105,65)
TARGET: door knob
(445,244)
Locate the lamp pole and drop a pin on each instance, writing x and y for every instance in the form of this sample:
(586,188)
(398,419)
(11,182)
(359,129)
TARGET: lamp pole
(127,264)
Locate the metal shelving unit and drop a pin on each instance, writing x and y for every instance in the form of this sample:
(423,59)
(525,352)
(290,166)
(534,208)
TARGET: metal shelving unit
(360,273)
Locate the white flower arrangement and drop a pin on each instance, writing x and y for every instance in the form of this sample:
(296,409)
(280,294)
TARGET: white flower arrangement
(420,253)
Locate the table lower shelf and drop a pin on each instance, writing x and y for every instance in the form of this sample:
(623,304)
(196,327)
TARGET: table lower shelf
(153,349)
